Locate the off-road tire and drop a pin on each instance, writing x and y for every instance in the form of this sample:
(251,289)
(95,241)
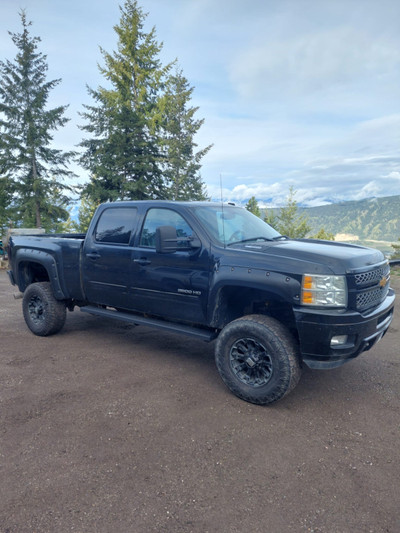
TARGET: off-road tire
(43,314)
(257,358)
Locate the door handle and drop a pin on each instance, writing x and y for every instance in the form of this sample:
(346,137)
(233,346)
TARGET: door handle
(94,255)
(142,261)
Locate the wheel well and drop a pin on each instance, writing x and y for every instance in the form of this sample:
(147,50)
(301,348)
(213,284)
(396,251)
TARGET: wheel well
(235,302)
(31,272)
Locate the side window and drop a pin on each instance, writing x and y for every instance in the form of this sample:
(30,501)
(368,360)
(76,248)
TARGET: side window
(116,225)
(164,217)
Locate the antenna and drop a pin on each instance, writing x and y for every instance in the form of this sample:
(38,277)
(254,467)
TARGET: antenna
(222,208)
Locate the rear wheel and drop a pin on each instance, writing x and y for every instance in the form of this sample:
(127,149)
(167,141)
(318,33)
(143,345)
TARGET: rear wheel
(257,359)
(44,315)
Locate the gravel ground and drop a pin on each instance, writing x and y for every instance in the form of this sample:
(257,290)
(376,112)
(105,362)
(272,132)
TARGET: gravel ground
(105,427)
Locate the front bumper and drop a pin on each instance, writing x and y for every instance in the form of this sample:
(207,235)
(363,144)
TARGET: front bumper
(317,327)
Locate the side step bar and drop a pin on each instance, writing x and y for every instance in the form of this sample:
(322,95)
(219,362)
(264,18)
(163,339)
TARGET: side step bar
(151,322)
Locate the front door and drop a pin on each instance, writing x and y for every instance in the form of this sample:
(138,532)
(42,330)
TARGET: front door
(172,285)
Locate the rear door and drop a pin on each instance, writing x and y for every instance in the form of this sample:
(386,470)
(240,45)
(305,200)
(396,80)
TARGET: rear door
(107,257)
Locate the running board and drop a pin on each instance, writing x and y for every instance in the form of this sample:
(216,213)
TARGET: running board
(151,322)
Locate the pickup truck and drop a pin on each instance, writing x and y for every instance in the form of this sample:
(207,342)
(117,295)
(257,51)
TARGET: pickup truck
(213,272)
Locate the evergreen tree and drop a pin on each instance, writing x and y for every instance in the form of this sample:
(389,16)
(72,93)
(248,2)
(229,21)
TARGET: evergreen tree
(6,194)
(396,250)
(86,210)
(271,219)
(323,235)
(252,206)
(290,223)
(123,154)
(35,170)
(181,162)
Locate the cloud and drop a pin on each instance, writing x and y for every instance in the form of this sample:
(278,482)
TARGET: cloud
(264,158)
(293,92)
(326,62)
(369,190)
(241,193)
(393,176)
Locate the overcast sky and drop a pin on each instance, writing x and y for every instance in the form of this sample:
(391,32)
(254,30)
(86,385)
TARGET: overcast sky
(293,92)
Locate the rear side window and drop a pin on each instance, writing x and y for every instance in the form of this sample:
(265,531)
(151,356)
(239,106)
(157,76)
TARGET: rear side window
(116,225)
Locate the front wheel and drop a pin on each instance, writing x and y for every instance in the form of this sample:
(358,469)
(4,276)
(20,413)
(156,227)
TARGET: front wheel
(257,359)
(44,315)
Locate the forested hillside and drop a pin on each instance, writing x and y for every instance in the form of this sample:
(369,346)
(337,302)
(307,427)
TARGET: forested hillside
(374,218)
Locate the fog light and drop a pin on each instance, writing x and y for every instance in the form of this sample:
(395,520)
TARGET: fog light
(338,340)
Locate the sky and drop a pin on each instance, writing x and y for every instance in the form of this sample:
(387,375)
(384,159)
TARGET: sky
(301,93)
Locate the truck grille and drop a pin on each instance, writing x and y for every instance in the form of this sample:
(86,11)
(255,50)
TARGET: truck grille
(372,275)
(371,298)
(370,289)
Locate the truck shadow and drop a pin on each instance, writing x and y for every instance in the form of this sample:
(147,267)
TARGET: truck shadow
(195,359)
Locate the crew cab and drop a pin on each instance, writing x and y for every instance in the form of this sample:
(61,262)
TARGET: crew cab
(213,272)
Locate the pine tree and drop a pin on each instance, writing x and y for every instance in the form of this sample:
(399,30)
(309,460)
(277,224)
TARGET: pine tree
(252,206)
(86,210)
(290,223)
(123,154)
(181,162)
(271,218)
(35,169)
(6,195)
(323,235)
(396,250)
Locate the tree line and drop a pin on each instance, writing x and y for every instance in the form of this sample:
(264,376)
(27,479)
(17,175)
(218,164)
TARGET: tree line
(139,136)
(287,220)
(139,131)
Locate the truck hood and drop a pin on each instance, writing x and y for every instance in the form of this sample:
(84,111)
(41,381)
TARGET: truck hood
(309,256)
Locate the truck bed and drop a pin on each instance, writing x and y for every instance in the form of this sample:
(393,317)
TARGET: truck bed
(60,251)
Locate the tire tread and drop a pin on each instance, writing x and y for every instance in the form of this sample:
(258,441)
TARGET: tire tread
(55,310)
(281,339)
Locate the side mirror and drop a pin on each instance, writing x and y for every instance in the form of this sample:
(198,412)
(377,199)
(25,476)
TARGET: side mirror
(166,240)
(194,242)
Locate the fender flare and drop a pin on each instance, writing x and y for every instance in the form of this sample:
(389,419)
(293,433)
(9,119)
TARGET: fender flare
(48,262)
(276,286)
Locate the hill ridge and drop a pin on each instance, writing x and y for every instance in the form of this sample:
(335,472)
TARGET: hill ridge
(375,218)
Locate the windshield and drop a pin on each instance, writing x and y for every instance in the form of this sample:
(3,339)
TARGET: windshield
(229,225)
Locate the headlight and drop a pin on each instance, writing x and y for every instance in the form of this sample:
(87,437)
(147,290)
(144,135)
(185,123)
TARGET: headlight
(327,291)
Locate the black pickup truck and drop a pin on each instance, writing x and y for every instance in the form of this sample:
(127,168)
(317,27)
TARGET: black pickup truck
(212,271)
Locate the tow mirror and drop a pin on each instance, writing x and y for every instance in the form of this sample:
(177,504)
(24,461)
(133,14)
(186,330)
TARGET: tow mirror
(194,242)
(166,240)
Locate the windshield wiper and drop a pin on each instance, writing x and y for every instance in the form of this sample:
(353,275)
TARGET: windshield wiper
(249,240)
(280,237)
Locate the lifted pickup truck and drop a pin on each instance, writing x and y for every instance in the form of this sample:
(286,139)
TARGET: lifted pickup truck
(212,271)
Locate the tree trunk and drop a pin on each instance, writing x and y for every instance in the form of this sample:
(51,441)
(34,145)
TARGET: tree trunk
(37,202)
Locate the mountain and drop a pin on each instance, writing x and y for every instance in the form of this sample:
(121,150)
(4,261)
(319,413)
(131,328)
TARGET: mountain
(370,219)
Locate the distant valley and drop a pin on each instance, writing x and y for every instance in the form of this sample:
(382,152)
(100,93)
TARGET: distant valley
(371,219)
(373,222)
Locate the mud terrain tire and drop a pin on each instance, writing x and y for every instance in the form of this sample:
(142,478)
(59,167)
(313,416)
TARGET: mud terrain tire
(43,314)
(257,358)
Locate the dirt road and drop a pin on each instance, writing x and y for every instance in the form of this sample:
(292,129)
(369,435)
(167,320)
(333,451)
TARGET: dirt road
(106,427)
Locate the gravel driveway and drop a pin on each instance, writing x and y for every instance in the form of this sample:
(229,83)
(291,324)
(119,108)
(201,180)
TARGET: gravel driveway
(105,427)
